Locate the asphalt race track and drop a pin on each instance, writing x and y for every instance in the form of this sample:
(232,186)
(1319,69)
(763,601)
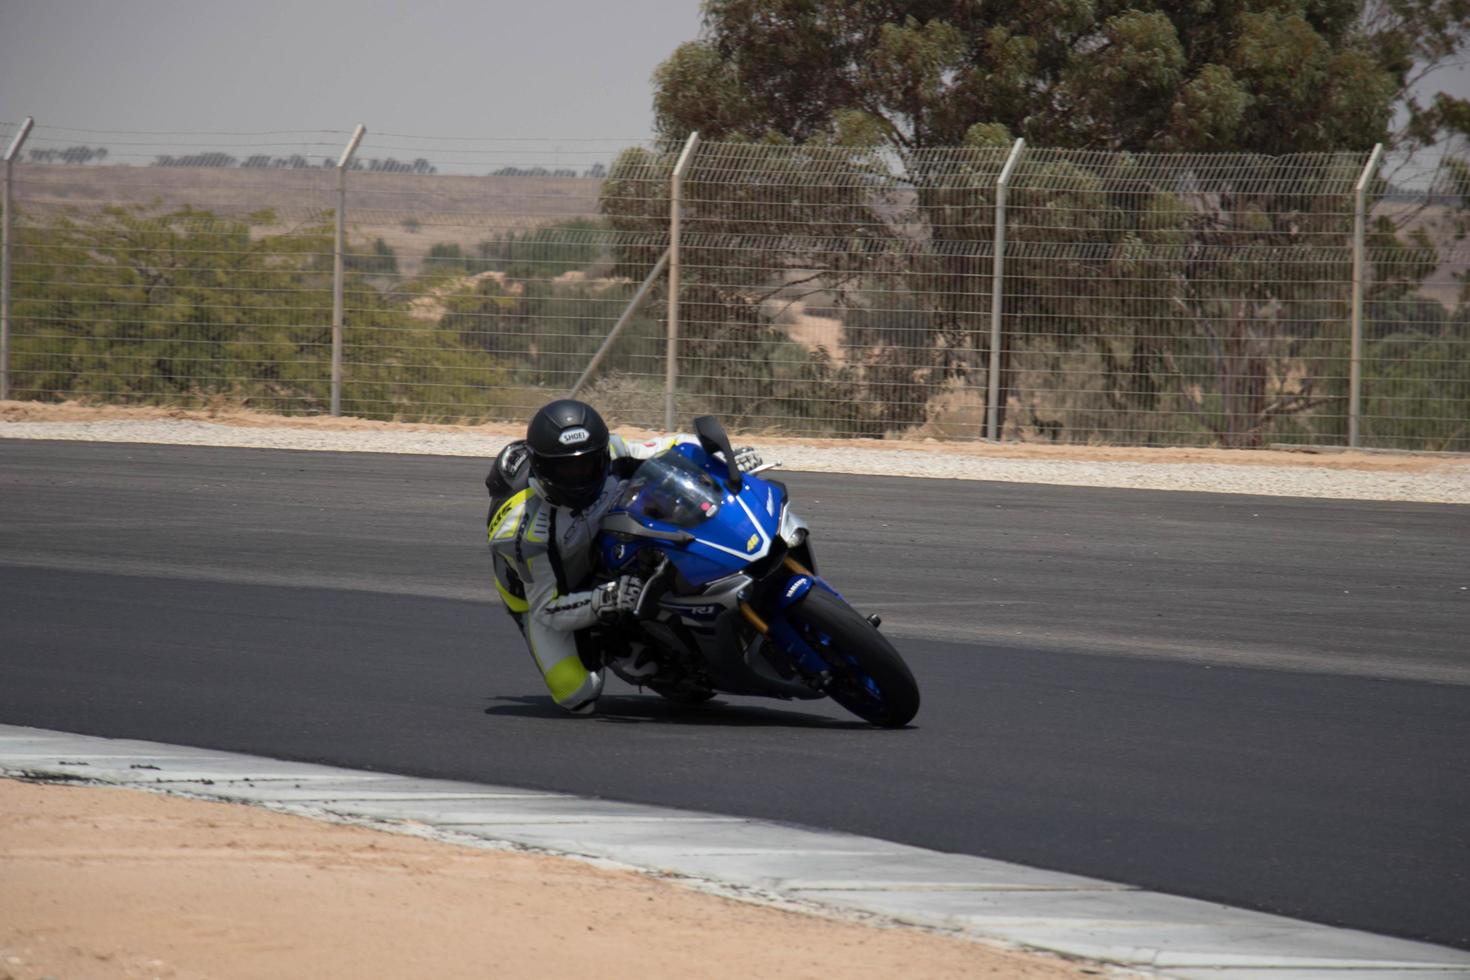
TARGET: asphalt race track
(1259,701)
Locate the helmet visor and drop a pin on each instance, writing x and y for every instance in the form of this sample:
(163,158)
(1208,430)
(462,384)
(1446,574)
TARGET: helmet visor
(573,475)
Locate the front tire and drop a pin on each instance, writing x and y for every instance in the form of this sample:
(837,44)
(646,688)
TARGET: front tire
(869,678)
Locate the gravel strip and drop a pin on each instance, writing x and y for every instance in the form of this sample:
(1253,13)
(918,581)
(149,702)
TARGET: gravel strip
(1448,482)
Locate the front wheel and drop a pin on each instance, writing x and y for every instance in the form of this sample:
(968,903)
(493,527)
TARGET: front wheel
(869,678)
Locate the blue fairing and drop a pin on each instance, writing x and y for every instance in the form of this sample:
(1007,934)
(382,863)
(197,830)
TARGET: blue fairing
(745,613)
(738,530)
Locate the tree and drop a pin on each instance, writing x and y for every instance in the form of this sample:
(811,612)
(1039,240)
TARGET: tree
(1220,340)
(1259,75)
(393,166)
(72,154)
(381,261)
(212,158)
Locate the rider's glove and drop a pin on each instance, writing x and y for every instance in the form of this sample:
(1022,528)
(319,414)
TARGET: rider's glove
(611,601)
(747,459)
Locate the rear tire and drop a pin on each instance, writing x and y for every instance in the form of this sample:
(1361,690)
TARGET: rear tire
(869,678)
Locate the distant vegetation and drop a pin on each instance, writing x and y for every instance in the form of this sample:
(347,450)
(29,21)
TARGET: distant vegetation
(596,170)
(537,253)
(189,307)
(381,261)
(295,161)
(72,154)
(259,161)
(1180,321)
(127,305)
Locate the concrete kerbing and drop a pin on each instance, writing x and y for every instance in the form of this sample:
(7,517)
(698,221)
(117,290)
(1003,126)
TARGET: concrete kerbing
(1445,480)
(832,874)
(1313,448)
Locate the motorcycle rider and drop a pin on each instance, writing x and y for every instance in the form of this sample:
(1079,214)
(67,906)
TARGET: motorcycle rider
(548,495)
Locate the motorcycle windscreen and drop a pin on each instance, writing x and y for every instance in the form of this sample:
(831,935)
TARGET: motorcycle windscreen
(672,489)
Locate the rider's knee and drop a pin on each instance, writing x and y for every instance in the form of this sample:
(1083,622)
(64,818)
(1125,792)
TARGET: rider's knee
(578,694)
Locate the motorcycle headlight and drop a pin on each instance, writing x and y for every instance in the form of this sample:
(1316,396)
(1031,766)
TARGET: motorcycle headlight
(793,528)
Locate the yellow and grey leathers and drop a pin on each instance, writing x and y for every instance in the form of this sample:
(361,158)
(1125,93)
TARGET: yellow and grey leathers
(543,570)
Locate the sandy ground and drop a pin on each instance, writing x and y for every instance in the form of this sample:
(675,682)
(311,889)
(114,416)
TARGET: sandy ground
(104,882)
(26,411)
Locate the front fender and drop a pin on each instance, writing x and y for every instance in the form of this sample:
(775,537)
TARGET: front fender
(784,635)
(795,589)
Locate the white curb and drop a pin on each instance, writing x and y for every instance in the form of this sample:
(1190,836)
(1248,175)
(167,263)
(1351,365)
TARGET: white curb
(993,901)
(1445,482)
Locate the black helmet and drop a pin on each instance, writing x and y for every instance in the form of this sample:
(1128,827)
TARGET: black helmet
(569,454)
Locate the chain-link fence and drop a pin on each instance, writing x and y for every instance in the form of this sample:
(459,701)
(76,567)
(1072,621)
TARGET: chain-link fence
(1164,298)
(1143,299)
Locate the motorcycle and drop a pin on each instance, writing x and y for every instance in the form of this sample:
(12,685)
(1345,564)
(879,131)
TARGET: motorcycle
(733,602)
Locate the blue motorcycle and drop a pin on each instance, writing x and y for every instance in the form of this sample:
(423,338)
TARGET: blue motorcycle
(733,602)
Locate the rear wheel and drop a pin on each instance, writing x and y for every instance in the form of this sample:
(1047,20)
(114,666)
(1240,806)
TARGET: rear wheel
(869,678)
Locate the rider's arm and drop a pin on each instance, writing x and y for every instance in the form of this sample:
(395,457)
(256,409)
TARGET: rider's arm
(647,449)
(563,613)
(603,604)
(746,458)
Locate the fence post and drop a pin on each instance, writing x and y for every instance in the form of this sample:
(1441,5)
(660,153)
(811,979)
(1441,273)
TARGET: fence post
(15,145)
(1355,356)
(676,193)
(628,311)
(997,280)
(339,273)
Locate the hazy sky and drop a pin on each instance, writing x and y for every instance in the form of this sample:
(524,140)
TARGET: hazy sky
(441,68)
(453,68)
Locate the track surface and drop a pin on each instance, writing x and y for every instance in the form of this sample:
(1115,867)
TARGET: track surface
(1259,701)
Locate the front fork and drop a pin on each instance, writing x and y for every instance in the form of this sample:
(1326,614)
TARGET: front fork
(777,629)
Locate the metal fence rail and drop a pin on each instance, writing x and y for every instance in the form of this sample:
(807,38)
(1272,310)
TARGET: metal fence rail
(1141,299)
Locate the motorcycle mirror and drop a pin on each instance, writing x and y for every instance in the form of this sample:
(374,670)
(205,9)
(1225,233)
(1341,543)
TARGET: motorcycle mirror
(713,438)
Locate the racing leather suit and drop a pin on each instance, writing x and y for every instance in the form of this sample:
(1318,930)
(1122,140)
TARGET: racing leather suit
(543,570)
